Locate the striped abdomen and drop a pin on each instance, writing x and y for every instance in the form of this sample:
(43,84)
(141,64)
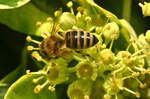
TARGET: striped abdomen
(77,39)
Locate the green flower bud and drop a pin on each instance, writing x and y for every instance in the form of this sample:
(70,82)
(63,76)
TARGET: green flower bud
(107,56)
(67,21)
(128,60)
(111,31)
(113,85)
(147,37)
(79,89)
(145,8)
(86,69)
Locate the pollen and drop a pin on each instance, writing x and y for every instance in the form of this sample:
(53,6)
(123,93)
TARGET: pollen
(106,96)
(88,19)
(28,72)
(57,13)
(143,85)
(28,38)
(69,4)
(148,53)
(146,47)
(116,66)
(108,27)
(132,40)
(49,19)
(80,9)
(143,72)
(86,97)
(35,80)
(137,94)
(37,89)
(30,48)
(108,15)
(36,55)
(51,88)
(38,23)
(135,74)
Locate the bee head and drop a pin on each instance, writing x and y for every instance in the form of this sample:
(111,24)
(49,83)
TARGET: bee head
(51,45)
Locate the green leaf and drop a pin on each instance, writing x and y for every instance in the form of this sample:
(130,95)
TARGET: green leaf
(23,19)
(10,4)
(24,89)
(3,89)
(49,5)
(67,20)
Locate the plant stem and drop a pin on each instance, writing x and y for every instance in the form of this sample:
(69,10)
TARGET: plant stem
(126,9)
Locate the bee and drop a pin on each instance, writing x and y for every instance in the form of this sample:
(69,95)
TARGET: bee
(54,45)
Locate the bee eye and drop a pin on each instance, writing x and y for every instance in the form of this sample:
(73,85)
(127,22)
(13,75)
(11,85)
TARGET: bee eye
(59,42)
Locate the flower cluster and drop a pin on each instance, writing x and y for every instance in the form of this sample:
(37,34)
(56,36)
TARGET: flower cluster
(101,70)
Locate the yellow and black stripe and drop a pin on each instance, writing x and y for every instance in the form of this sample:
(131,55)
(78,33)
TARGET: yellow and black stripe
(77,39)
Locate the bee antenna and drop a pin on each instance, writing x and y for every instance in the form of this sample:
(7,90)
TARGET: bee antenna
(55,26)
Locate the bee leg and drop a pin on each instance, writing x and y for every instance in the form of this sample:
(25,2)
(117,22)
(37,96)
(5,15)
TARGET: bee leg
(83,53)
(48,58)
